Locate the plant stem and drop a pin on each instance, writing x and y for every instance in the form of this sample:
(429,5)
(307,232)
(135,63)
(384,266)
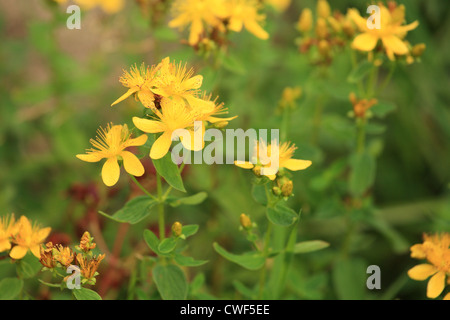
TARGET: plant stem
(262,279)
(162,229)
(361,135)
(142,188)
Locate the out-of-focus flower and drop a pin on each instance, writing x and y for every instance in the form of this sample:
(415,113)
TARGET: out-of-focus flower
(46,258)
(391,31)
(262,154)
(28,238)
(279,5)
(110,144)
(8,229)
(86,243)
(244,13)
(436,249)
(323,9)
(289,97)
(200,15)
(108,6)
(305,21)
(361,106)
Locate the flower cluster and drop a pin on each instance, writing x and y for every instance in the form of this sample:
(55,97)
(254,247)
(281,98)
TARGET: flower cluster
(57,256)
(19,237)
(436,250)
(211,19)
(108,6)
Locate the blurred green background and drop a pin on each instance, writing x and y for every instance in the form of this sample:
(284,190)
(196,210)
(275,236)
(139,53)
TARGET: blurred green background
(56,87)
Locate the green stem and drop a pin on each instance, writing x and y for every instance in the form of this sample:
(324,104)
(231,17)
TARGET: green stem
(262,279)
(162,229)
(387,79)
(361,135)
(142,188)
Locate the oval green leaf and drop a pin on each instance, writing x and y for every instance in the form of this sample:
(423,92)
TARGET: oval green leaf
(171,282)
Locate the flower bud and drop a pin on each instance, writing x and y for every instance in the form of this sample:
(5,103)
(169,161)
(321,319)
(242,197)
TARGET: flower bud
(246,223)
(177,229)
(323,9)
(305,20)
(257,170)
(418,50)
(324,48)
(321,28)
(286,189)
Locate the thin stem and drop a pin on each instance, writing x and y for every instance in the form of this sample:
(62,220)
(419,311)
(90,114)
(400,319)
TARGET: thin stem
(387,79)
(361,135)
(262,279)
(162,229)
(142,188)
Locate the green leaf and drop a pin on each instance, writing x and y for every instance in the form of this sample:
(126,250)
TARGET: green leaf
(349,279)
(242,289)
(167,245)
(191,200)
(310,246)
(134,211)
(28,267)
(360,72)
(86,294)
(152,241)
(189,230)
(169,171)
(10,288)
(362,173)
(188,261)
(281,215)
(231,63)
(250,260)
(171,282)
(383,108)
(259,194)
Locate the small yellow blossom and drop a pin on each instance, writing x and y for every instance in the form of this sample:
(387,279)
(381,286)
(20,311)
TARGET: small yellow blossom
(244,13)
(262,154)
(110,144)
(435,249)
(63,255)
(28,237)
(89,266)
(391,32)
(8,229)
(200,15)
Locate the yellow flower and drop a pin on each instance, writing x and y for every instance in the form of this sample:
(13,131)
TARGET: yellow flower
(110,144)
(263,153)
(111,6)
(46,258)
(175,115)
(209,109)
(28,237)
(279,5)
(139,81)
(244,13)
(436,249)
(176,83)
(86,242)
(323,9)
(391,32)
(63,255)
(199,14)
(8,229)
(305,20)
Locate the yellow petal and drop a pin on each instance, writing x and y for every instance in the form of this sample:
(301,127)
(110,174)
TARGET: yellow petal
(36,251)
(421,271)
(25,227)
(132,164)
(296,164)
(5,245)
(215,119)
(126,95)
(197,142)
(235,25)
(365,42)
(194,82)
(272,176)
(18,252)
(196,31)
(161,146)
(111,172)
(244,164)
(90,157)
(436,285)
(139,141)
(43,233)
(417,252)
(395,45)
(150,126)
(406,28)
(146,98)
(447,296)
(254,28)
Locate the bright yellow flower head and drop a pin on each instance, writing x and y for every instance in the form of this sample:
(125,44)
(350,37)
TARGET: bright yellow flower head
(28,237)
(139,81)
(8,229)
(175,115)
(209,109)
(110,144)
(391,32)
(262,154)
(177,83)
(244,13)
(88,267)
(63,255)
(436,249)
(201,15)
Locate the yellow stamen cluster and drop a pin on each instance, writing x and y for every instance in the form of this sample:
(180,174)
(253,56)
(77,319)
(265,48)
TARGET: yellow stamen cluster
(436,250)
(208,18)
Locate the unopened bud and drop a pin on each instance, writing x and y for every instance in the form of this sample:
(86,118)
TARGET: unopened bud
(286,189)
(221,124)
(324,48)
(323,9)
(348,28)
(321,28)
(177,229)
(257,170)
(276,191)
(305,21)
(246,223)
(418,50)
